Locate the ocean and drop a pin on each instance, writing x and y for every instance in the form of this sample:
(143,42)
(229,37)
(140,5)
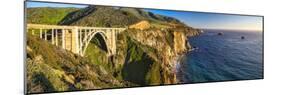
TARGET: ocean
(223,57)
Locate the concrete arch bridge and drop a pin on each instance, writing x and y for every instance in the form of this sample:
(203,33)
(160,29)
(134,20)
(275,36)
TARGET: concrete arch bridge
(75,38)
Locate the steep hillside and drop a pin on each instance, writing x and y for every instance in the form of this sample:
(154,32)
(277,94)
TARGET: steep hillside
(51,68)
(145,15)
(100,17)
(47,15)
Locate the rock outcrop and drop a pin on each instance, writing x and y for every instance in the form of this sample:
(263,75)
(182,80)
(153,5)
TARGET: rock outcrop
(141,25)
(168,44)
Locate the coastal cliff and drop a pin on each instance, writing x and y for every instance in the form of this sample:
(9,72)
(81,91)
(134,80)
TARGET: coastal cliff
(167,44)
(147,51)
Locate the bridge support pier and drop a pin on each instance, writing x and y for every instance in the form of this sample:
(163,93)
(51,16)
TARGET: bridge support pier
(40,33)
(45,34)
(56,39)
(63,39)
(53,41)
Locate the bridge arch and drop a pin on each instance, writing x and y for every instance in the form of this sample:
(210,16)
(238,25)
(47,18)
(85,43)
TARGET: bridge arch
(93,35)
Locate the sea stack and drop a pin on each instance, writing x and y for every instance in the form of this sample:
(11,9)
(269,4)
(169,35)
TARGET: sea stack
(220,33)
(242,37)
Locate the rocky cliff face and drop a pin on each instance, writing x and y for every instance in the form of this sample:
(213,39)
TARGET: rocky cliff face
(168,43)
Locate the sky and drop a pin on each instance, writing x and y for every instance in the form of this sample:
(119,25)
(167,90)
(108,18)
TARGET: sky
(194,19)
(214,20)
(42,4)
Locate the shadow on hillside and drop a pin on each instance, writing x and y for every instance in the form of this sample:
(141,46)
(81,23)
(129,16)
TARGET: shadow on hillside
(100,42)
(76,15)
(42,81)
(135,71)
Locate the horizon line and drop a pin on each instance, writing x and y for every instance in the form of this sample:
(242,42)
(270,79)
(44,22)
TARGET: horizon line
(253,30)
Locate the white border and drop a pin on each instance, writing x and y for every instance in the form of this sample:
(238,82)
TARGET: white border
(11,49)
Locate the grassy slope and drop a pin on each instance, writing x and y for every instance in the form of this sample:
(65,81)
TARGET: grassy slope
(114,17)
(100,17)
(145,15)
(47,15)
(139,67)
(53,69)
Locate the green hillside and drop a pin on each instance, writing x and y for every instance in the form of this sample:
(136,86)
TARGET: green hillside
(142,14)
(47,15)
(49,68)
(100,16)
